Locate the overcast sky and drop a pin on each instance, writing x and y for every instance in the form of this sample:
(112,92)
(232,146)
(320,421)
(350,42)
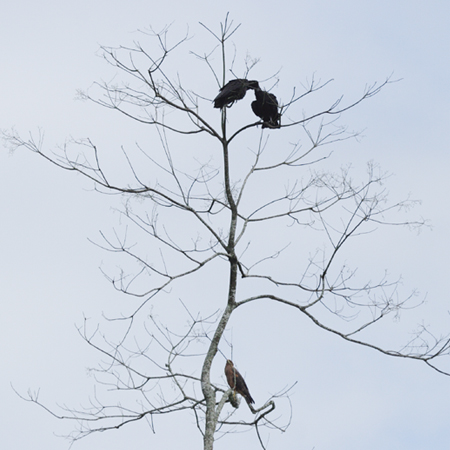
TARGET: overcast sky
(347,397)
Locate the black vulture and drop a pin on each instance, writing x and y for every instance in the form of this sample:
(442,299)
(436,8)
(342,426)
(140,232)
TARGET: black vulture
(266,107)
(234,90)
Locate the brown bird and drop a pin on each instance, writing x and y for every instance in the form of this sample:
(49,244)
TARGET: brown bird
(237,382)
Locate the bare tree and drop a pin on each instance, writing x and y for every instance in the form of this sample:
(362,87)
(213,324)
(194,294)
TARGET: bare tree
(205,216)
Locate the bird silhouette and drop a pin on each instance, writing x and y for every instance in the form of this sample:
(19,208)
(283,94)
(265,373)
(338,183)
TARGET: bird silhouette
(266,108)
(234,90)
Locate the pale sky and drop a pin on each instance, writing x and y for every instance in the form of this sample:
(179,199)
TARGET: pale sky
(346,397)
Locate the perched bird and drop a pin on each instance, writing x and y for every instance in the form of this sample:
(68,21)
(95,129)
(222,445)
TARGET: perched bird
(234,90)
(266,108)
(237,382)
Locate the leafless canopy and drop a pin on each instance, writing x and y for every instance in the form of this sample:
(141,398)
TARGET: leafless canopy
(199,200)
